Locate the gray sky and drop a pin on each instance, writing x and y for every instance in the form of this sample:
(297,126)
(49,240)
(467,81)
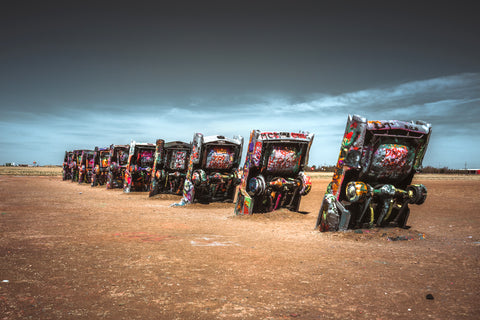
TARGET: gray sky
(87,74)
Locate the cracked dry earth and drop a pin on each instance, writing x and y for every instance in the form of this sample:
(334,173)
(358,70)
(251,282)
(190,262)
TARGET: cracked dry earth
(69,251)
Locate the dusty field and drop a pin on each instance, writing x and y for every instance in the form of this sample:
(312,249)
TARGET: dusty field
(31,171)
(72,251)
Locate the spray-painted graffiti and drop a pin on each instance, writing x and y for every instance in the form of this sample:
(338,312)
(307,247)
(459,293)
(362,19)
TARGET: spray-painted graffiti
(138,170)
(170,167)
(391,161)
(188,192)
(351,142)
(283,159)
(122,157)
(104,159)
(330,218)
(213,169)
(393,155)
(306,185)
(257,153)
(86,165)
(117,163)
(145,158)
(67,165)
(195,154)
(371,184)
(100,166)
(272,174)
(417,127)
(282,135)
(219,158)
(179,159)
(74,164)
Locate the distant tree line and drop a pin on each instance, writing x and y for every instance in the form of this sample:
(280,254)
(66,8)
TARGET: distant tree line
(446,170)
(320,168)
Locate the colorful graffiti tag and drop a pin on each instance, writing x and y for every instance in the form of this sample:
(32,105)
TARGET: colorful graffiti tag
(220,158)
(283,159)
(170,168)
(117,163)
(100,166)
(67,165)
(139,167)
(179,160)
(272,175)
(371,185)
(86,165)
(212,173)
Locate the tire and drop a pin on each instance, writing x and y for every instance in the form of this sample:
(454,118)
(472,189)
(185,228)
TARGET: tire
(419,193)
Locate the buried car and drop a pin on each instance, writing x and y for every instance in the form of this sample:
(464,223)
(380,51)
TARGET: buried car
(170,167)
(100,166)
(213,169)
(371,185)
(86,163)
(117,163)
(139,167)
(67,165)
(75,164)
(273,174)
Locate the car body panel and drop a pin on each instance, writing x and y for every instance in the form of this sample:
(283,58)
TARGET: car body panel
(170,167)
(75,164)
(139,167)
(86,164)
(100,166)
(117,163)
(371,185)
(212,173)
(67,165)
(273,174)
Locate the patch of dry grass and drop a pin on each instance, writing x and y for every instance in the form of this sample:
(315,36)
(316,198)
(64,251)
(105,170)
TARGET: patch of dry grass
(435,176)
(31,171)
(320,175)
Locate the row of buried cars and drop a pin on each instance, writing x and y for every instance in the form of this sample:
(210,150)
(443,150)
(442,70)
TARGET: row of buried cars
(371,185)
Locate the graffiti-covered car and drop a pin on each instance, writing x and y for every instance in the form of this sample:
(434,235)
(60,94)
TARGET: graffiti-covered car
(100,166)
(86,164)
(139,167)
(213,169)
(75,164)
(371,185)
(117,163)
(273,175)
(67,165)
(170,167)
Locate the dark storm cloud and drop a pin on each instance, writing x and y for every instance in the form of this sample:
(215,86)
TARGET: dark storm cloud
(75,74)
(57,55)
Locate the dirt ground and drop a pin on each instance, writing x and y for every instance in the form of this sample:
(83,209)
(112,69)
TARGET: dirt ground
(69,251)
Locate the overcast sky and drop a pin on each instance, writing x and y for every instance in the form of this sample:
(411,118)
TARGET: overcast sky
(83,74)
